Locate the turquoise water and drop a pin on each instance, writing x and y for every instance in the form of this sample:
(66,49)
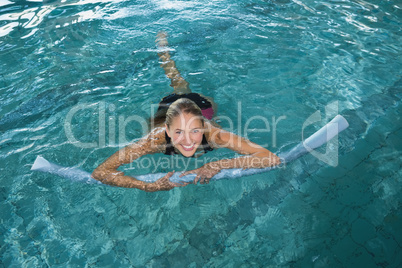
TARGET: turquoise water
(279,60)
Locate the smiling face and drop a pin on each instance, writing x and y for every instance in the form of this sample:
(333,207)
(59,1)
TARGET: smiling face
(186,131)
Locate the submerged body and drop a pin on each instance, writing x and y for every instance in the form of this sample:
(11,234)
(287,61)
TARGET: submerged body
(183,127)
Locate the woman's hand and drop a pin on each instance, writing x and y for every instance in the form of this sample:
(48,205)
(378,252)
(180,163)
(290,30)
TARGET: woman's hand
(204,173)
(163,184)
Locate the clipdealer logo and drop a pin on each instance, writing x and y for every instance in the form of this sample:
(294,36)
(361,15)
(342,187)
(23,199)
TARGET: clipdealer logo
(112,130)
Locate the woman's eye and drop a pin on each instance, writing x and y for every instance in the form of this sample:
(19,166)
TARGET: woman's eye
(178,132)
(196,131)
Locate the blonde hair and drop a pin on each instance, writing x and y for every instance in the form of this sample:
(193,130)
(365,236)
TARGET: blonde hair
(181,106)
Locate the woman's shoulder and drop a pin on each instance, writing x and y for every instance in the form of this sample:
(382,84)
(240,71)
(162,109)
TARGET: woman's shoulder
(157,136)
(157,133)
(213,134)
(154,141)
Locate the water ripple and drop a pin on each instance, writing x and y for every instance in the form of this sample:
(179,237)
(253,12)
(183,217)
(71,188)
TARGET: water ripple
(270,58)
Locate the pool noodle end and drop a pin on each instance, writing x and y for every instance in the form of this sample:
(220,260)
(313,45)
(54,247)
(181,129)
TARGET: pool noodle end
(40,163)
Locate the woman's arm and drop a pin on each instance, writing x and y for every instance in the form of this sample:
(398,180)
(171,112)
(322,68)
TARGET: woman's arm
(256,156)
(107,172)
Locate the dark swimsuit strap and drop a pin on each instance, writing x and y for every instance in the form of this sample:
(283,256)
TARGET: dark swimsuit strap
(170,149)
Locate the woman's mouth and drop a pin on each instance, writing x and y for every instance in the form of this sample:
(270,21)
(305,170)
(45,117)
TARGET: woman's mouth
(188,147)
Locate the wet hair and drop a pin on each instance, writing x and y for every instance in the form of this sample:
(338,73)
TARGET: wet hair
(166,113)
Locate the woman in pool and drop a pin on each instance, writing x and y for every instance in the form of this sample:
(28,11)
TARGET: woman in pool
(182,126)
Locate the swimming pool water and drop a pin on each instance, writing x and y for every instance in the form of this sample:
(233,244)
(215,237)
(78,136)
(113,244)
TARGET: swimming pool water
(279,60)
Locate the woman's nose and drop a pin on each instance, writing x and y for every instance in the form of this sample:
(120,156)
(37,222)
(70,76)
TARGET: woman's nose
(187,138)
